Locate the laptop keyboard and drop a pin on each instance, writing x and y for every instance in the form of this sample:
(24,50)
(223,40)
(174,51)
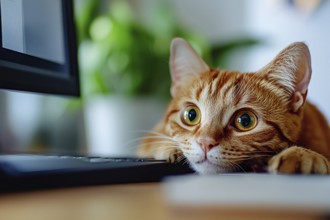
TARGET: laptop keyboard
(106,159)
(111,159)
(25,172)
(23,163)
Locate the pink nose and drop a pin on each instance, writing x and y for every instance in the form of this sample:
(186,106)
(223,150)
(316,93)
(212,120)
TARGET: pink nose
(207,143)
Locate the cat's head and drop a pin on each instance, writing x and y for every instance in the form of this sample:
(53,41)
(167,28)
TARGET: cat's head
(223,119)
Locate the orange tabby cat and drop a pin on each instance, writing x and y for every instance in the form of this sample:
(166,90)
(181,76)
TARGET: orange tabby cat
(226,121)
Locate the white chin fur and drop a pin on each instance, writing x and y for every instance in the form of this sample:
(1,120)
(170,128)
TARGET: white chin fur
(208,168)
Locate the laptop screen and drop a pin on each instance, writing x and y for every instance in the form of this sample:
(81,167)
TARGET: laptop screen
(38,47)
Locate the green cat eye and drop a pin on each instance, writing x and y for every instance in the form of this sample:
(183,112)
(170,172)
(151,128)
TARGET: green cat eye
(245,120)
(191,115)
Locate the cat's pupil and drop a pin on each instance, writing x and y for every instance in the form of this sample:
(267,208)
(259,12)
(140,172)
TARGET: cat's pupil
(192,115)
(245,120)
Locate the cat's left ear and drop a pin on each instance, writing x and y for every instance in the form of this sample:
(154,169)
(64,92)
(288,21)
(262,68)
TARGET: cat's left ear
(291,70)
(184,63)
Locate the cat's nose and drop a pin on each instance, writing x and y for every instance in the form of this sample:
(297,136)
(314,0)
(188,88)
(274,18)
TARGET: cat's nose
(207,143)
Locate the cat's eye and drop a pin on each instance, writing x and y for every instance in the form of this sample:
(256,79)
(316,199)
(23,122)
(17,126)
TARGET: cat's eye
(245,120)
(191,115)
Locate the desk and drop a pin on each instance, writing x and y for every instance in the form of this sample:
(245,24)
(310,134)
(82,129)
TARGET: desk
(128,201)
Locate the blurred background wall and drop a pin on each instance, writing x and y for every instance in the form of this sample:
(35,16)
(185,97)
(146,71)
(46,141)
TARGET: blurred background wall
(123,55)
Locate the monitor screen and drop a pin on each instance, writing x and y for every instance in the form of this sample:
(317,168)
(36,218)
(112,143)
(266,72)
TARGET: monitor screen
(38,49)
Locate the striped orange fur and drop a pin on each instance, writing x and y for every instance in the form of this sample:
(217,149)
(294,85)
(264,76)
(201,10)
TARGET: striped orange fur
(226,121)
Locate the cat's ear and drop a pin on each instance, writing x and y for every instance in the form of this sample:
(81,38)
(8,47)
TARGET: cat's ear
(184,62)
(291,70)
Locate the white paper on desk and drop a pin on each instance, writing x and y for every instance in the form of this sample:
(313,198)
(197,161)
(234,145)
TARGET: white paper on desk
(250,190)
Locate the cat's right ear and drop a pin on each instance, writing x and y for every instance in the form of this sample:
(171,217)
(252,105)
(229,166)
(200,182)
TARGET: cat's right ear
(291,71)
(184,62)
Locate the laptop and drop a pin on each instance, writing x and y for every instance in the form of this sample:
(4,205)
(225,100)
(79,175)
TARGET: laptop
(30,61)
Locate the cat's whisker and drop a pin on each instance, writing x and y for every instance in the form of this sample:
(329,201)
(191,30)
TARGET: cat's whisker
(243,153)
(160,146)
(156,133)
(232,166)
(129,146)
(262,151)
(260,155)
(144,131)
(247,152)
(237,165)
(160,143)
(170,145)
(165,148)
(240,157)
(179,159)
(157,137)
(247,158)
(257,155)
(183,161)
(140,139)
(246,155)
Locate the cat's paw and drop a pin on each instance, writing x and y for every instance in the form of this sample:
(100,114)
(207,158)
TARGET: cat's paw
(299,160)
(170,155)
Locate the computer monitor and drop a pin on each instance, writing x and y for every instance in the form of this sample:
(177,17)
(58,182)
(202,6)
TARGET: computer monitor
(38,49)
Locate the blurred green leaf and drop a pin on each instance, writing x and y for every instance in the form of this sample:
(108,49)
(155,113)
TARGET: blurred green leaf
(119,55)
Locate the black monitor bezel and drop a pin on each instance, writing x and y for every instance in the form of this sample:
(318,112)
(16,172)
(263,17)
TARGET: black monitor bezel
(28,73)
